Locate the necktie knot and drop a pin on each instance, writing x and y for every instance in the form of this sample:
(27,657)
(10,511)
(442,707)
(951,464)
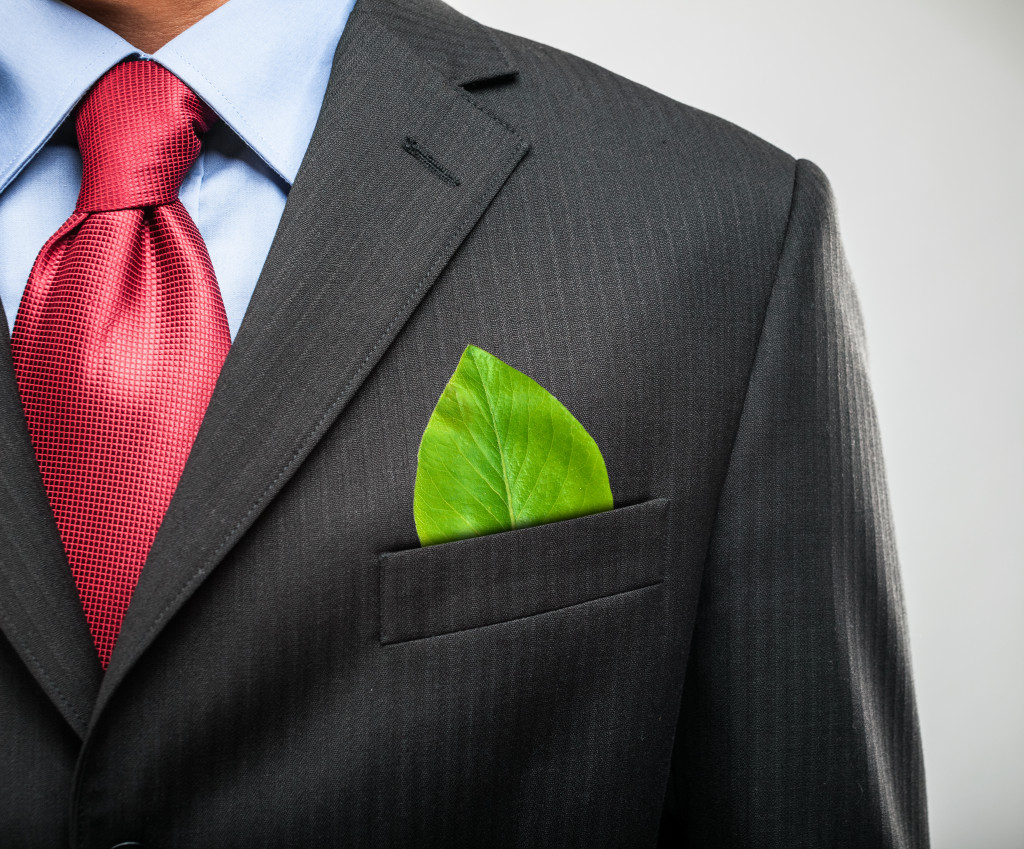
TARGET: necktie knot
(139,131)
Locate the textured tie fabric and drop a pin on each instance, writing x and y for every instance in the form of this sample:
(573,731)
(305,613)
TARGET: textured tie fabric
(121,335)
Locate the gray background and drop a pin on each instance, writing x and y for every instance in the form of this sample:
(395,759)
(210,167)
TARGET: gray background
(914,111)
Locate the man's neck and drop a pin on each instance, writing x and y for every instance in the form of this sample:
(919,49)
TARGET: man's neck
(146,24)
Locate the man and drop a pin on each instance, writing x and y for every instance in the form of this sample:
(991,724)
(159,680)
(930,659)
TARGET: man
(249,647)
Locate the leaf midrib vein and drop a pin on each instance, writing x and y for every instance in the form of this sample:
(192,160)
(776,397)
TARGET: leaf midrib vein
(497,437)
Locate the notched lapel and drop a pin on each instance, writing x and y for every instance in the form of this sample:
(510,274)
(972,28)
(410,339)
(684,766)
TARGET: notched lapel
(401,166)
(40,612)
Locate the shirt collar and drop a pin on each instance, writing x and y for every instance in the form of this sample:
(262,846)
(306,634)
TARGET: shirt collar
(268,90)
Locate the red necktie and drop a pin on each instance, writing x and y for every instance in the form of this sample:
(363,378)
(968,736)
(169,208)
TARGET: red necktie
(120,335)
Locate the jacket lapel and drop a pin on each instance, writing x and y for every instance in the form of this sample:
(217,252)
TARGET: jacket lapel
(368,227)
(40,612)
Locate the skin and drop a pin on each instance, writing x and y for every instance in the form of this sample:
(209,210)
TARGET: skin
(146,24)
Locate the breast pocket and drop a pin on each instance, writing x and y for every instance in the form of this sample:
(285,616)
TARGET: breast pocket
(468,583)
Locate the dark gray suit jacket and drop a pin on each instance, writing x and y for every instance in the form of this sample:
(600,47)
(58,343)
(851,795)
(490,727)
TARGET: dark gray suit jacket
(718,661)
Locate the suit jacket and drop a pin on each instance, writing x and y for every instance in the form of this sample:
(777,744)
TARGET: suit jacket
(720,660)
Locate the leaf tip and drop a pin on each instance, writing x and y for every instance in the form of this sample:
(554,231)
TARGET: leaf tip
(475,352)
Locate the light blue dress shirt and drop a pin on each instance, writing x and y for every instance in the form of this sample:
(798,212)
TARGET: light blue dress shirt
(261,65)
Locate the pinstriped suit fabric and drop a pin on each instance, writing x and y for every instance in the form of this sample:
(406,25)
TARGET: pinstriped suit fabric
(718,661)
(798,721)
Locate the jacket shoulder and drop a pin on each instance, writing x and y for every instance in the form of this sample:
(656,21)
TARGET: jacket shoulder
(562,95)
(710,195)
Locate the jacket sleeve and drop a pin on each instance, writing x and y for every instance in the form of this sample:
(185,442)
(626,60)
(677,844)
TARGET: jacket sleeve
(798,725)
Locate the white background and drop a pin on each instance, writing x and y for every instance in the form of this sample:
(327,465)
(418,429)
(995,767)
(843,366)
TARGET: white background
(914,111)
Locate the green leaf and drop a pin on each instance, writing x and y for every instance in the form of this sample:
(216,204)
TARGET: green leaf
(501,452)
